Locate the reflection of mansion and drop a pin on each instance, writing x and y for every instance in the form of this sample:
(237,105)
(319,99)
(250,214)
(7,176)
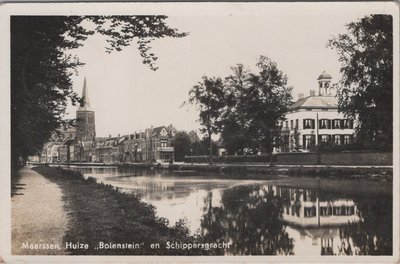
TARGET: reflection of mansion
(315,119)
(316,220)
(303,207)
(78,142)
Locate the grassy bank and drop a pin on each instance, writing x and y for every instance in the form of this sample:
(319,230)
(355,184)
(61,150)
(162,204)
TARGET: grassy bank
(100,213)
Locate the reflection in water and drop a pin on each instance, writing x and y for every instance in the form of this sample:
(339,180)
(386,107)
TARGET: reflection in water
(248,218)
(264,217)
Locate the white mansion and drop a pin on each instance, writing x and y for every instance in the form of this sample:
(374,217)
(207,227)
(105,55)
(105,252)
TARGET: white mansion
(315,119)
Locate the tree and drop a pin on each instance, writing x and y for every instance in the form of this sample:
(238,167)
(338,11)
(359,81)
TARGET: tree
(267,99)
(41,70)
(234,123)
(365,91)
(296,139)
(182,145)
(208,96)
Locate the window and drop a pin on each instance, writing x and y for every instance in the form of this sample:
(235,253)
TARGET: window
(297,123)
(308,141)
(286,124)
(291,124)
(337,139)
(336,124)
(325,124)
(324,138)
(163,143)
(347,139)
(347,123)
(308,109)
(308,124)
(310,211)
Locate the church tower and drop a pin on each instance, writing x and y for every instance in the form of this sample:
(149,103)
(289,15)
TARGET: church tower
(85,118)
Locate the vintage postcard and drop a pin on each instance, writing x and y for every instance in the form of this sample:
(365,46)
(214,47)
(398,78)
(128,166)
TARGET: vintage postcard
(199,132)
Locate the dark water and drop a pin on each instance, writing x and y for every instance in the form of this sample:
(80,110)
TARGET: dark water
(278,216)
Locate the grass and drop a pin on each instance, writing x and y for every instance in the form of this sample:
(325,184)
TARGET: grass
(100,213)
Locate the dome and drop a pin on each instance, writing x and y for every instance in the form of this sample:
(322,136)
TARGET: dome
(324,75)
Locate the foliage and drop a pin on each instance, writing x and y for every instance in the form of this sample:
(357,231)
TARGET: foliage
(373,234)
(208,96)
(296,139)
(41,70)
(365,91)
(250,219)
(182,145)
(249,108)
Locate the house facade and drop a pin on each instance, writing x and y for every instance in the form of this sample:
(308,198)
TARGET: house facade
(315,119)
(78,142)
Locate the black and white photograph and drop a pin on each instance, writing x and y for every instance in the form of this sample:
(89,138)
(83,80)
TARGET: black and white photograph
(227,132)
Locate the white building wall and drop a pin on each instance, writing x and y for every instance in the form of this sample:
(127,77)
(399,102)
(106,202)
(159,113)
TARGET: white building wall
(316,115)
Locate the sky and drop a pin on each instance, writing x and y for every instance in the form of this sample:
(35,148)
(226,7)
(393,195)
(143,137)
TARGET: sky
(127,96)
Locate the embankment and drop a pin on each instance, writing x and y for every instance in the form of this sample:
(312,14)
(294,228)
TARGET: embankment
(99,213)
(259,170)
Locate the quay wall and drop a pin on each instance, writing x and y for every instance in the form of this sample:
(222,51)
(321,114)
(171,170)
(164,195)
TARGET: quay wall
(306,158)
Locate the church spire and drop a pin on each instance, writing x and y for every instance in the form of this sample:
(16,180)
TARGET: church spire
(85,106)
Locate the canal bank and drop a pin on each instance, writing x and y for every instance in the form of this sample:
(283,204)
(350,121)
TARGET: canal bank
(380,173)
(99,214)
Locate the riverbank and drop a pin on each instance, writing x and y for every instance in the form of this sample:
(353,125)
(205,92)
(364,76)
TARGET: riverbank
(110,222)
(375,173)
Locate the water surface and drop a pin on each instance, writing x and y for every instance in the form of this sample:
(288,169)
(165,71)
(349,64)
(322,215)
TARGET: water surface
(273,216)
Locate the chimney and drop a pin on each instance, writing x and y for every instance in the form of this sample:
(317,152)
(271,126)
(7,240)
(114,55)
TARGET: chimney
(109,136)
(300,95)
(312,92)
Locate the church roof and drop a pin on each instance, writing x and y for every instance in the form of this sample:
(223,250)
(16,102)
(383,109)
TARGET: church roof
(85,106)
(328,102)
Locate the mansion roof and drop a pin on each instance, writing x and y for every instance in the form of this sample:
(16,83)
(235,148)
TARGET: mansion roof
(328,102)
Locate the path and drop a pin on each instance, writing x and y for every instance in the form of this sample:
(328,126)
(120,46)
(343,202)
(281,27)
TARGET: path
(38,217)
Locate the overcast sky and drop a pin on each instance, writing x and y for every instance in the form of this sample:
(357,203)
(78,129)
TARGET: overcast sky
(127,96)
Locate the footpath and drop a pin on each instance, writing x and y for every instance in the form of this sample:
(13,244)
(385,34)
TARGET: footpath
(38,217)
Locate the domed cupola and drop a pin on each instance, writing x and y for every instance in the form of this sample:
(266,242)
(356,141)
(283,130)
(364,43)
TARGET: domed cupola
(324,81)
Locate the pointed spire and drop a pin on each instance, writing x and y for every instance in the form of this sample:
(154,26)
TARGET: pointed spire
(85,95)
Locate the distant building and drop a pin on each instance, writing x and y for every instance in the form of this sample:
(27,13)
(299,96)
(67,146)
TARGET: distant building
(159,144)
(315,119)
(85,129)
(77,142)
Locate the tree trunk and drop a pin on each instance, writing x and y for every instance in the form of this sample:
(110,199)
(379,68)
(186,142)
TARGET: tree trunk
(211,148)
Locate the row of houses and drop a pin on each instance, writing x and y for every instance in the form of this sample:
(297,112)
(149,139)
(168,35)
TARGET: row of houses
(151,145)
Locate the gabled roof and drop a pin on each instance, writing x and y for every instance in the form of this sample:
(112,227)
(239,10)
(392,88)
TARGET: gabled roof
(328,102)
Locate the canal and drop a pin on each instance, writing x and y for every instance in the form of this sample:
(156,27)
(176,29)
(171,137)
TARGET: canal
(267,216)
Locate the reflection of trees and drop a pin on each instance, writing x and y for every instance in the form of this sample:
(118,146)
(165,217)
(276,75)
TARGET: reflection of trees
(250,219)
(372,235)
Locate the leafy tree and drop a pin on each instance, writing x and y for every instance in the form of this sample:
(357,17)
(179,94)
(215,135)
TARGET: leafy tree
(234,122)
(267,99)
(41,70)
(365,91)
(182,145)
(208,96)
